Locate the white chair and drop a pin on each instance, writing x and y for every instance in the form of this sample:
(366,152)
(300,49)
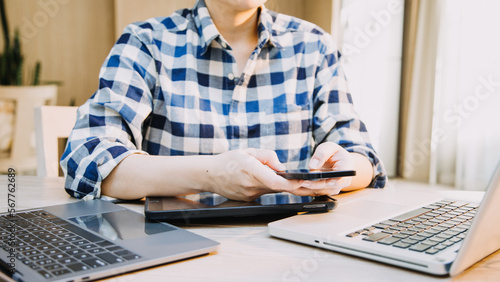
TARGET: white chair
(22,153)
(51,124)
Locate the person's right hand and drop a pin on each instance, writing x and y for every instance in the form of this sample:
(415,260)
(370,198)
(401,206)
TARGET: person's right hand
(247,174)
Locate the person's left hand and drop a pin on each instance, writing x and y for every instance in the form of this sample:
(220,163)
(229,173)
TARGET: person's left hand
(330,156)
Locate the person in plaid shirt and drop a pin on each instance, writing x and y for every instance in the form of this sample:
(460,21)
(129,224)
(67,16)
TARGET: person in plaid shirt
(218,98)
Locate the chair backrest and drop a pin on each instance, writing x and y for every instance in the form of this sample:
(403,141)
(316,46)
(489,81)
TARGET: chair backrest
(51,124)
(22,152)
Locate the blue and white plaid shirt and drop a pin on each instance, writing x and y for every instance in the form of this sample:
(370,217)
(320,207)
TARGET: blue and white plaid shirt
(170,86)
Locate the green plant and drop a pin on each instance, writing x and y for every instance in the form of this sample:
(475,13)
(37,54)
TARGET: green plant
(11,59)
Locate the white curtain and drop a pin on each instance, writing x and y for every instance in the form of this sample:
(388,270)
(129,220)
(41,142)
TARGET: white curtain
(370,38)
(423,19)
(466,112)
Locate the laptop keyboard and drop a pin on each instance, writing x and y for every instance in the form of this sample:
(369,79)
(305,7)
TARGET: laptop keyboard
(53,247)
(428,229)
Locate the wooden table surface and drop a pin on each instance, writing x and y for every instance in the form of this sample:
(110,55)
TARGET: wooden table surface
(248,253)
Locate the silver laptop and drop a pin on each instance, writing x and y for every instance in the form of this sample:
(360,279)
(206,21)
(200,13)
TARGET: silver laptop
(88,240)
(417,230)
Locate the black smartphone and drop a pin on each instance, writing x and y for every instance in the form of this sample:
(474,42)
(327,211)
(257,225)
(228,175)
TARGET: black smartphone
(307,174)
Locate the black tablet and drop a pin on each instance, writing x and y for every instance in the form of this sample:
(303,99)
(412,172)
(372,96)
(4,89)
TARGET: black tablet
(210,205)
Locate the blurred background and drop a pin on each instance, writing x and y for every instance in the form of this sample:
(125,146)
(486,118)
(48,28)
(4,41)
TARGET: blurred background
(424,74)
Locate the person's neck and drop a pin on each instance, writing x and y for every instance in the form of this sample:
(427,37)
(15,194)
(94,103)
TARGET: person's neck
(235,25)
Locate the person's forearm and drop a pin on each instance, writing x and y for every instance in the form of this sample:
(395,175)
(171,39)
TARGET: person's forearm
(138,176)
(364,173)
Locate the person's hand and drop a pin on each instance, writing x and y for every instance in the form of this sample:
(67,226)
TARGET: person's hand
(331,156)
(247,174)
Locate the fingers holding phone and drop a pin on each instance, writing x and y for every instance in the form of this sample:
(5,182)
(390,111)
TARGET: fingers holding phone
(319,182)
(330,156)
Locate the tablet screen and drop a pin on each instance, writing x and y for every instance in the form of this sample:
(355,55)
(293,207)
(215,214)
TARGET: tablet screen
(208,199)
(208,204)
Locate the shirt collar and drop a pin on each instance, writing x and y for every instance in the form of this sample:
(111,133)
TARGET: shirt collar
(208,31)
(266,31)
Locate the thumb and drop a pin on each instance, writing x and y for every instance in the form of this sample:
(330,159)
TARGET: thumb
(267,157)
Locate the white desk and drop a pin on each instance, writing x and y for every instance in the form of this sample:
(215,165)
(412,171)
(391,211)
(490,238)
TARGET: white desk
(248,253)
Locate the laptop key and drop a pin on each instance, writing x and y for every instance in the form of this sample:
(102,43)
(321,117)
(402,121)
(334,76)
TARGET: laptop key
(353,234)
(400,236)
(458,204)
(60,272)
(123,253)
(439,228)
(67,260)
(78,267)
(82,256)
(376,236)
(389,231)
(440,247)
(54,267)
(416,229)
(75,252)
(59,256)
(430,242)
(432,251)
(444,236)
(408,232)
(401,245)
(473,205)
(88,246)
(26,215)
(410,214)
(37,257)
(114,248)
(437,239)
(417,237)
(104,243)
(34,266)
(80,242)
(45,262)
(94,263)
(110,258)
(73,238)
(448,243)
(419,247)
(389,240)
(68,248)
(381,226)
(397,228)
(45,274)
(409,241)
(132,257)
(96,250)
(425,234)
